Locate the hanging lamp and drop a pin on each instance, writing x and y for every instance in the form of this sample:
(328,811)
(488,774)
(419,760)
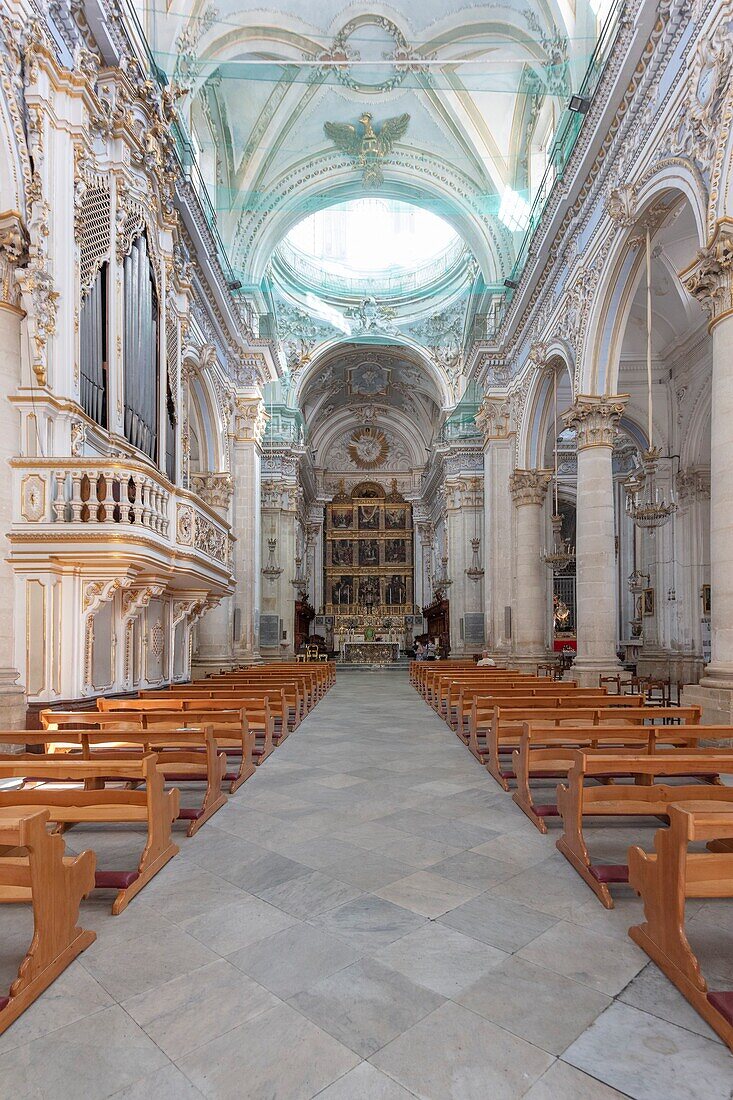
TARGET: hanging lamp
(646,504)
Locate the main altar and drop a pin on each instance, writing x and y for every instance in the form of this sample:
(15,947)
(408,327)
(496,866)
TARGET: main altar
(368,573)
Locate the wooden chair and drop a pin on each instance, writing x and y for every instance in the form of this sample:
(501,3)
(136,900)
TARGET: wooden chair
(670,875)
(643,798)
(34,868)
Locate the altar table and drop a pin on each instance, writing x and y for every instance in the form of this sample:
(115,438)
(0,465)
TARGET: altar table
(370,653)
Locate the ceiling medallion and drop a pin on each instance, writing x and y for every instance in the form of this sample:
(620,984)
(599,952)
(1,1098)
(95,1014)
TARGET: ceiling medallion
(368,448)
(367,146)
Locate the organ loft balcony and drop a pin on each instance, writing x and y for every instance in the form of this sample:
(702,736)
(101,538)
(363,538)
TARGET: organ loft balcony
(86,510)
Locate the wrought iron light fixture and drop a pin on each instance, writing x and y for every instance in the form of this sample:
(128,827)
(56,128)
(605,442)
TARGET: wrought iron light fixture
(646,505)
(271,569)
(475,570)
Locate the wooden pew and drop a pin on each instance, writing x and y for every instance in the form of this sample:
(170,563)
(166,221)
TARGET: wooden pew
(643,798)
(546,752)
(287,698)
(95,803)
(496,724)
(34,868)
(450,690)
(670,875)
(517,692)
(232,731)
(186,755)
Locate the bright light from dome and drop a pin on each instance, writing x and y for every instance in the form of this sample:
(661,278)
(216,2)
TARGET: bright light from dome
(372,235)
(514,211)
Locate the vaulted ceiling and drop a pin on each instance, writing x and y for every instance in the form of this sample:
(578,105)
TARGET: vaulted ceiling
(478,90)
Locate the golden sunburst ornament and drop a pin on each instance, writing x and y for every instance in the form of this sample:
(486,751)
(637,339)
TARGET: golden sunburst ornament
(368,448)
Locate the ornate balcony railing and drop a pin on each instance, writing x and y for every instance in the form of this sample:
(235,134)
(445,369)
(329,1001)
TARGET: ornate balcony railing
(113,498)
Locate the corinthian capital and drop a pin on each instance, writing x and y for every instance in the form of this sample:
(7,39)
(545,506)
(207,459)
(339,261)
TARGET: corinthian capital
(13,252)
(494,418)
(710,278)
(595,418)
(250,420)
(529,486)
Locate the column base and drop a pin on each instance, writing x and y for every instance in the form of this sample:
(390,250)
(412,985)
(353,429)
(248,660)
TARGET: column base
(586,672)
(13,704)
(681,668)
(714,694)
(201,666)
(528,661)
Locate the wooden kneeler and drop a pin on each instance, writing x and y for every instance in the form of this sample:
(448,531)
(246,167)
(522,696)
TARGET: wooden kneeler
(36,870)
(150,805)
(665,879)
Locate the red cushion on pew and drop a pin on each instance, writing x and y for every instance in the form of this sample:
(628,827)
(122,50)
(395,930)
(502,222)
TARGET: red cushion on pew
(724,1004)
(115,880)
(546,810)
(610,872)
(507,775)
(189,813)
(186,777)
(4,1002)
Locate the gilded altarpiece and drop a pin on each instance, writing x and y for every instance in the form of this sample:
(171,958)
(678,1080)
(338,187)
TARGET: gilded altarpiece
(368,559)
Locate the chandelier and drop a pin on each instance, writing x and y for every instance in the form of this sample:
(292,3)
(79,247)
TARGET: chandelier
(646,504)
(562,554)
(299,581)
(271,570)
(443,582)
(475,571)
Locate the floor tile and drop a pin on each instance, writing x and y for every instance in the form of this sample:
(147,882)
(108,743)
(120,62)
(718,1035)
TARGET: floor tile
(649,1059)
(138,965)
(310,894)
(94,1057)
(653,992)
(428,894)
(503,924)
(279,1054)
(234,926)
(599,961)
(369,922)
(294,959)
(365,1083)
(368,871)
(74,995)
(366,1005)
(540,1006)
(564,1082)
(473,869)
(197,1007)
(440,958)
(453,1053)
(164,1084)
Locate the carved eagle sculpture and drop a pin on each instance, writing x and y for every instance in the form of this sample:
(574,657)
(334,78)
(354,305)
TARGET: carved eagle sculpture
(369,147)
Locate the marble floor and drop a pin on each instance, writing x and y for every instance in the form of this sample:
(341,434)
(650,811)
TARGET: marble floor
(369,918)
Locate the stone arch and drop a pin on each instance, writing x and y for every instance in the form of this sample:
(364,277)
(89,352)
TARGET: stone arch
(668,188)
(538,406)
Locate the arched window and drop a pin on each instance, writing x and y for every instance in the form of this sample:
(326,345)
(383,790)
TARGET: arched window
(93,349)
(141,350)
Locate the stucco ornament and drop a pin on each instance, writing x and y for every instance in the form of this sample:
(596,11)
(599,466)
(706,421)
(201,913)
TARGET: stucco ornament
(368,448)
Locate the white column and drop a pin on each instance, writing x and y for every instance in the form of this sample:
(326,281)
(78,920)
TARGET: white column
(529,618)
(710,280)
(496,546)
(12,696)
(249,427)
(595,420)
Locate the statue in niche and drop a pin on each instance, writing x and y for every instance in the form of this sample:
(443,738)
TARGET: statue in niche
(369,552)
(341,553)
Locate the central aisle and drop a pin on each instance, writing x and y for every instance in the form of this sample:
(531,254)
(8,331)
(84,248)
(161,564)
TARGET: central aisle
(369,894)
